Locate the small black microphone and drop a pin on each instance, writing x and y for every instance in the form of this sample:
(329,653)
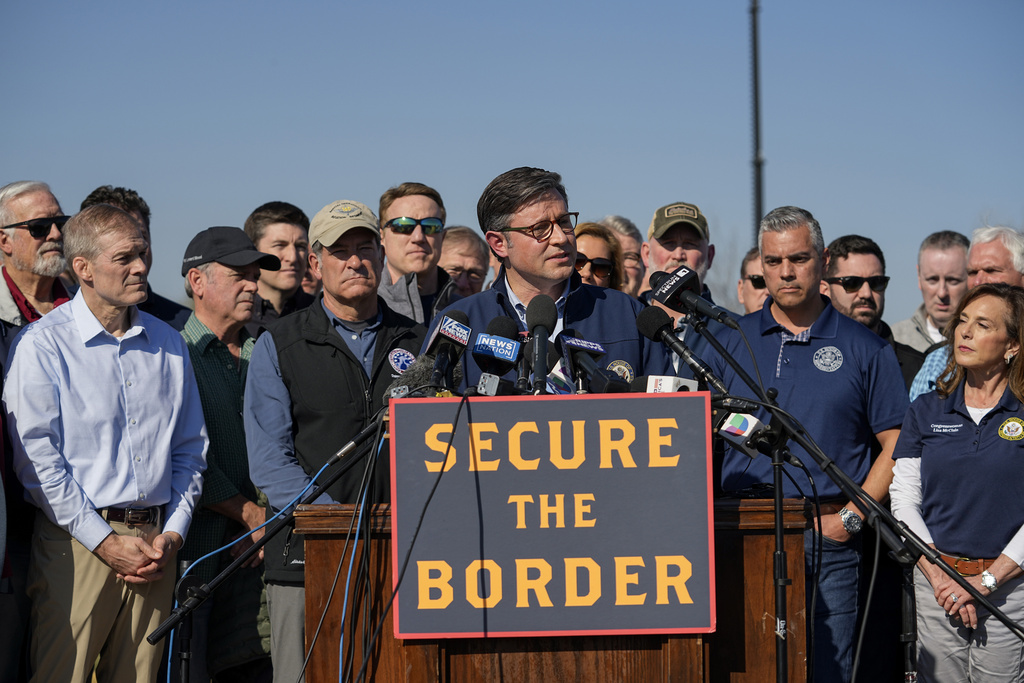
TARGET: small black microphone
(680,291)
(541,318)
(655,324)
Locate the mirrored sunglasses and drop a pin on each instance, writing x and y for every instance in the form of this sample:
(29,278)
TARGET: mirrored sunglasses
(40,227)
(405,225)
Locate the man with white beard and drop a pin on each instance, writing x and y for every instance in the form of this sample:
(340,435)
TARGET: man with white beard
(32,243)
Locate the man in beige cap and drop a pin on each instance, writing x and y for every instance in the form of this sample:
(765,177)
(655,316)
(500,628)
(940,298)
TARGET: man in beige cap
(678,236)
(316,379)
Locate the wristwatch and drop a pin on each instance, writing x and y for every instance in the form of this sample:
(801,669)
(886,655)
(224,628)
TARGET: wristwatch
(988,580)
(851,521)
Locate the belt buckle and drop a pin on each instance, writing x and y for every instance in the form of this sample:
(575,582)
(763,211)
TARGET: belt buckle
(956,565)
(137,516)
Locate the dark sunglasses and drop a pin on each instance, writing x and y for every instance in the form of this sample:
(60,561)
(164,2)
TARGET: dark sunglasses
(599,267)
(40,227)
(756,281)
(853,283)
(405,225)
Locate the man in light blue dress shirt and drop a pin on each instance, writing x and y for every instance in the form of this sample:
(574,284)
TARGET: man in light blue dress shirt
(110,445)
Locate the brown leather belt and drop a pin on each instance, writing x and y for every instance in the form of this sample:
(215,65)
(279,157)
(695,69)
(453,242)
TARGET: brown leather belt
(132,516)
(965,566)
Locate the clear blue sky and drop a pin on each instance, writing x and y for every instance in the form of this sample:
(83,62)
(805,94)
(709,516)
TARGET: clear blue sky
(888,119)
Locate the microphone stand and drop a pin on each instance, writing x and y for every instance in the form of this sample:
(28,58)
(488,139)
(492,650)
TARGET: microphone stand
(197,595)
(907,551)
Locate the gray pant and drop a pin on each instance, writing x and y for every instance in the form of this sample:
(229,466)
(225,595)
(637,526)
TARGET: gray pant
(949,652)
(287,606)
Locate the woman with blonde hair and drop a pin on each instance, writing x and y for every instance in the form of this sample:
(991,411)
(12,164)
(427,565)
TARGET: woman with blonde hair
(598,256)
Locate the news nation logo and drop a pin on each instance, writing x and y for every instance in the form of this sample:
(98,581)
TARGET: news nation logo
(497,347)
(455,331)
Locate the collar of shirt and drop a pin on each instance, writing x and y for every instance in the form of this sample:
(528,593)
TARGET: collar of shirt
(196,332)
(89,326)
(955,403)
(824,327)
(60,296)
(520,309)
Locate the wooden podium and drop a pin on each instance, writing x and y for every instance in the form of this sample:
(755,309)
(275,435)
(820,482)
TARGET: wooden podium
(742,649)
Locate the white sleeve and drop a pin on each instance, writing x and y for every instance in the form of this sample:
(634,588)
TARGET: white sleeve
(905,496)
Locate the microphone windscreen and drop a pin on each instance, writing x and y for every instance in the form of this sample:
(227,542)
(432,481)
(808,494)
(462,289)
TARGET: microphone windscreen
(541,312)
(503,326)
(656,278)
(650,320)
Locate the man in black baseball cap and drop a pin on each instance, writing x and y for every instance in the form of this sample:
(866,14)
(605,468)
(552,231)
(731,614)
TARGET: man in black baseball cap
(221,268)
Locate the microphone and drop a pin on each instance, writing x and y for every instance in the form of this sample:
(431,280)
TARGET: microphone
(661,384)
(741,431)
(681,291)
(447,344)
(495,353)
(541,318)
(416,377)
(580,355)
(655,324)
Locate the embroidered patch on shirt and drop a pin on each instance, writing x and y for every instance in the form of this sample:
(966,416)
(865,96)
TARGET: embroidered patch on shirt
(945,429)
(622,369)
(401,359)
(1012,429)
(828,359)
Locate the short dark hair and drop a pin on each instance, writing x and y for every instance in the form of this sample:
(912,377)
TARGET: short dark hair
(270,213)
(943,240)
(409,190)
(121,197)
(842,247)
(510,191)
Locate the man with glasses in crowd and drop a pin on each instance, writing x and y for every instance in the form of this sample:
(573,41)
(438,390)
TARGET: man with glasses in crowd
(526,221)
(466,258)
(412,219)
(856,281)
(751,290)
(33,260)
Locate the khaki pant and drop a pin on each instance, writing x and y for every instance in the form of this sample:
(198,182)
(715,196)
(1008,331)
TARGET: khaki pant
(82,612)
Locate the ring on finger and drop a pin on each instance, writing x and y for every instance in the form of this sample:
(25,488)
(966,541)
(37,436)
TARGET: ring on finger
(953,595)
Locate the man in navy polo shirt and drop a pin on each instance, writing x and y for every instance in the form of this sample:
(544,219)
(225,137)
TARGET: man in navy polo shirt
(843,383)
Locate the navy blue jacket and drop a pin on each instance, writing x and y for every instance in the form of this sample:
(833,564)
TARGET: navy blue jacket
(598,314)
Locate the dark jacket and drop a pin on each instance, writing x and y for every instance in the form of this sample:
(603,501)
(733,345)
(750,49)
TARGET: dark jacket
(598,314)
(404,296)
(332,401)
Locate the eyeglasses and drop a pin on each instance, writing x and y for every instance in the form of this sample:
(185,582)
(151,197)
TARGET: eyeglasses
(631,258)
(473,275)
(599,267)
(405,225)
(542,231)
(853,283)
(756,281)
(40,227)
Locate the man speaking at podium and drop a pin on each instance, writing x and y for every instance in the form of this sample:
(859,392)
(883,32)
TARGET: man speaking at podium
(316,378)
(526,221)
(843,383)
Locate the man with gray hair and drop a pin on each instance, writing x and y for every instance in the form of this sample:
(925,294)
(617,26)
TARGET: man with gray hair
(110,444)
(996,255)
(942,279)
(631,239)
(32,245)
(843,383)
(33,259)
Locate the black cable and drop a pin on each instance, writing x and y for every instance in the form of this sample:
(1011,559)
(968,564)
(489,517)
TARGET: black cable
(405,563)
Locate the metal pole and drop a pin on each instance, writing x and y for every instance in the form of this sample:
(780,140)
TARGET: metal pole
(756,87)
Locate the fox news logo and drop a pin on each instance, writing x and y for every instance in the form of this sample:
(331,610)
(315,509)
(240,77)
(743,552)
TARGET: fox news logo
(455,331)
